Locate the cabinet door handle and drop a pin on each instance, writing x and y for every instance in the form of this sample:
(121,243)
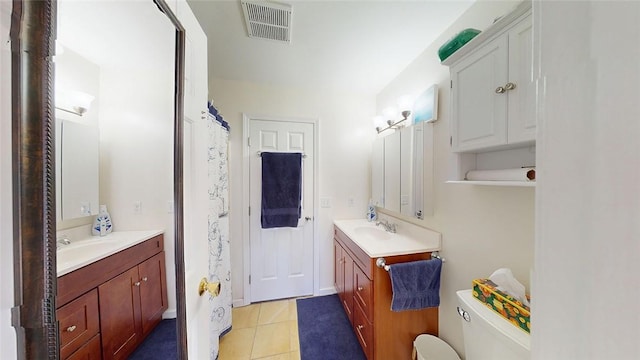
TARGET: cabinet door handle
(145,278)
(71,328)
(137,283)
(500,90)
(360,288)
(510,86)
(360,327)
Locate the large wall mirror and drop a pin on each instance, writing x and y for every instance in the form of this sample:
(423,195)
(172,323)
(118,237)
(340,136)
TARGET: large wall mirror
(94,120)
(402,171)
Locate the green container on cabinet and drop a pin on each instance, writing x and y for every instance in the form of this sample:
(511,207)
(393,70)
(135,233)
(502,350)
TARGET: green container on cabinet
(456,42)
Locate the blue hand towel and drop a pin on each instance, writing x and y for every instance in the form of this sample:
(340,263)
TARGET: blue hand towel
(415,284)
(281,189)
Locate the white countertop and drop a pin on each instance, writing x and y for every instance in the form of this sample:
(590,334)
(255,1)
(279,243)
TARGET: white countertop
(85,251)
(409,239)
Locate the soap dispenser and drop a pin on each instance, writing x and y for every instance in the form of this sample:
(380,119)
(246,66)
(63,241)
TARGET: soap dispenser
(371,212)
(102,224)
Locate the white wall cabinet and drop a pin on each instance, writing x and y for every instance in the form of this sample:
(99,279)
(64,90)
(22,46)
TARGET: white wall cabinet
(492,91)
(493,123)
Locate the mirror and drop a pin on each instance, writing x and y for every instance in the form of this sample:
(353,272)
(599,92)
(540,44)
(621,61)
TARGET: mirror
(398,179)
(76,169)
(77,133)
(33,32)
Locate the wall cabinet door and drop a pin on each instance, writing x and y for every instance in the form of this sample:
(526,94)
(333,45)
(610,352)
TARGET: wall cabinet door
(493,95)
(479,109)
(522,99)
(120,315)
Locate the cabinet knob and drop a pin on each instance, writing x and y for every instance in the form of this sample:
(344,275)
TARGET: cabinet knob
(360,327)
(360,288)
(510,86)
(145,278)
(71,328)
(137,283)
(500,90)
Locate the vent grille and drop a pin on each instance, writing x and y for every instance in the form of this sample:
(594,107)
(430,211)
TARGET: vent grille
(267,20)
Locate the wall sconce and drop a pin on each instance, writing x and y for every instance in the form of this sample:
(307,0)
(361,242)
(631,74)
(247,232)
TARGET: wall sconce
(74,102)
(403,103)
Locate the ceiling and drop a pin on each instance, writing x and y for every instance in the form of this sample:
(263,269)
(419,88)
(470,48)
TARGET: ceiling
(347,45)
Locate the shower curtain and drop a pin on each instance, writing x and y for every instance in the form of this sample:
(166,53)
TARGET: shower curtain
(219,250)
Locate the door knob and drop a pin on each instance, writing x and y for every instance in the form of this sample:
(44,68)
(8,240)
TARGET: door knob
(500,90)
(307,218)
(212,287)
(510,86)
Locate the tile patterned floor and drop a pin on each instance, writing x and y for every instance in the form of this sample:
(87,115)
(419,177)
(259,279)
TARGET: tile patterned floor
(265,331)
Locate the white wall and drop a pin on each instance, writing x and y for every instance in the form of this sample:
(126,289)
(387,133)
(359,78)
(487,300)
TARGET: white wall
(136,153)
(7,333)
(346,134)
(586,282)
(483,228)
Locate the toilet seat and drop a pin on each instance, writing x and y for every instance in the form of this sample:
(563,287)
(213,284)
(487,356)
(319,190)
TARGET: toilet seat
(429,347)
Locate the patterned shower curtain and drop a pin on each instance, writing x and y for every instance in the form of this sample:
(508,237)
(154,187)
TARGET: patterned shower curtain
(219,250)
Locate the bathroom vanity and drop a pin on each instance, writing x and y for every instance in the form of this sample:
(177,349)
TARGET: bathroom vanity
(365,289)
(111,293)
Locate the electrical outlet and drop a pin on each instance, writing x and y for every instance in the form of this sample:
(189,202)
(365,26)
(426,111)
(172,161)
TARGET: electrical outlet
(170,207)
(137,207)
(350,202)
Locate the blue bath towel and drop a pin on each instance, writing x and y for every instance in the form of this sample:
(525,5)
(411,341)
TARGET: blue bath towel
(281,189)
(415,284)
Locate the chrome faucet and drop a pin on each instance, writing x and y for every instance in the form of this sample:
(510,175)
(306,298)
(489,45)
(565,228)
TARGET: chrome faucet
(62,241)
(390,227)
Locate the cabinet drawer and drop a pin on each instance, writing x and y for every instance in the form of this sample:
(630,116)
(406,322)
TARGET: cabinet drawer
(362,291)
(79,322)
(90,351)
(363,330)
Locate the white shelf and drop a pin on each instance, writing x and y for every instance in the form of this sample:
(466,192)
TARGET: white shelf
(495,183)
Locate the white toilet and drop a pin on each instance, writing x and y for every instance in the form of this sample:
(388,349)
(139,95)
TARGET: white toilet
(487,336)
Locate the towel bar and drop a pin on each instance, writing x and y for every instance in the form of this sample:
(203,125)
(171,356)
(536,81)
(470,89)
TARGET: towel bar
(303,154)
(382,263)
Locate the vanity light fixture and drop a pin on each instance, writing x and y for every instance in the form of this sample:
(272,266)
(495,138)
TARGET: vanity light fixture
(74,102)
(403,103)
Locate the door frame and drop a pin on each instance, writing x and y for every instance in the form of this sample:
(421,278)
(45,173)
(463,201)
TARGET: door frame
(32,34)
(246,228)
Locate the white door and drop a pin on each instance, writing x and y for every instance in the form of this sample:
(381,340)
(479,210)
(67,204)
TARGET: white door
(196,251)
(281,258)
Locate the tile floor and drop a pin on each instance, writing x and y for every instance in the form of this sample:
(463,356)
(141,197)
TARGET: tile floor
(265,331)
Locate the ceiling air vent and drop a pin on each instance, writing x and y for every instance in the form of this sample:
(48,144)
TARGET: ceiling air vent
(268,20)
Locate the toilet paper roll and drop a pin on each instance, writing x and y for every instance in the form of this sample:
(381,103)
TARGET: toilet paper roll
(519,174)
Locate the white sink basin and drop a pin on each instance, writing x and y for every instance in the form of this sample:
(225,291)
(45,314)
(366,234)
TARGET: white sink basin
(84,251)
(373,232)
(376,242)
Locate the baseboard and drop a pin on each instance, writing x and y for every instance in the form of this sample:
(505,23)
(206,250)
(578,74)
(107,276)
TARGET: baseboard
(326,291)
(238,303)
(170,314)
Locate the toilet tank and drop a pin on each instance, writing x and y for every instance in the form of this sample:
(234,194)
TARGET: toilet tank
(489,336)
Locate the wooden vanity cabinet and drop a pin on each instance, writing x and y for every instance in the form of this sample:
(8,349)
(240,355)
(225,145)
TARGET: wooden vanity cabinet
(344,279)
(382,333)
(120,298)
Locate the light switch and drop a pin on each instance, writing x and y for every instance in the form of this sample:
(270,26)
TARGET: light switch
(325,202)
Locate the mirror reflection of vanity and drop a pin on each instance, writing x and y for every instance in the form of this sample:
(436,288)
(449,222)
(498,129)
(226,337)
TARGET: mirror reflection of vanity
(401,171)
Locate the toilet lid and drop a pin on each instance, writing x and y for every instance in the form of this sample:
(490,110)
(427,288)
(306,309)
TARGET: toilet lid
(431,347)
